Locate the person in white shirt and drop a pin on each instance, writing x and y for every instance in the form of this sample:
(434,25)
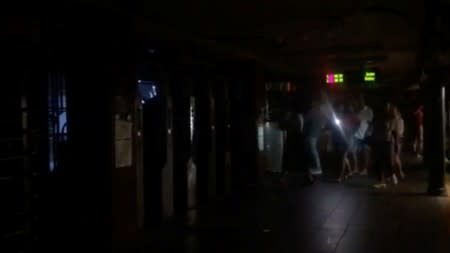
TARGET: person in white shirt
(365,116)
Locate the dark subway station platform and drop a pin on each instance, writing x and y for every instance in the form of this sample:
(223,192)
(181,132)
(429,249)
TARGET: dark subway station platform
(326,217)
(225,126)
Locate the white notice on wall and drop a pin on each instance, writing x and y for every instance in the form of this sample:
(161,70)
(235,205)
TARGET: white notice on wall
(123,129)
(123,143)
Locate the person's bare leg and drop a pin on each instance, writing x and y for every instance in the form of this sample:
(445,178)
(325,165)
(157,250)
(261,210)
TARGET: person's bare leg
(416,146)
(399,166)
(420,148)
(348,166)
(398,162)
(380,168)
(365,160)
(354,162)
(393,168)
(396,172)
(343,165)
(382,181)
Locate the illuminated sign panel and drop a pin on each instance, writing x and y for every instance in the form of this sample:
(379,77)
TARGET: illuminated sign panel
(333,78)
(370,77)
(147,90)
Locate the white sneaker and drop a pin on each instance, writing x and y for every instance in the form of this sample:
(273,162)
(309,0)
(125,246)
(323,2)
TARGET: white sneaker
(380,186)
(394,179)
(315,172)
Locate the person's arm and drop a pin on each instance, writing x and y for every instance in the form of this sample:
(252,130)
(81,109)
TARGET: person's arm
(300,119)
(398,133)
(390,129)
(371,115)
(401,128)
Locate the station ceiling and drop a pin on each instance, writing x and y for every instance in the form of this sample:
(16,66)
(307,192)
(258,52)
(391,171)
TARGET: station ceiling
(292,36)
(306,36)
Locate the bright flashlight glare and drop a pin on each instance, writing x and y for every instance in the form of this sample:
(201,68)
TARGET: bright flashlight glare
(337,121)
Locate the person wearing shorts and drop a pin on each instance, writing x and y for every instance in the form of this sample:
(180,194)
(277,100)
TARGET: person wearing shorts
(398,128)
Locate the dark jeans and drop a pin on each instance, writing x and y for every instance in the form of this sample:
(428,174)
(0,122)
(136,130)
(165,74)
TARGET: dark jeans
(315,166)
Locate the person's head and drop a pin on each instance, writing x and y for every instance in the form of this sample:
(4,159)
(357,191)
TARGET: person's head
(395,111)
(388,107)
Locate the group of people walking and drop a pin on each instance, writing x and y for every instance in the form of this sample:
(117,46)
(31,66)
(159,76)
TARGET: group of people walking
(357,137)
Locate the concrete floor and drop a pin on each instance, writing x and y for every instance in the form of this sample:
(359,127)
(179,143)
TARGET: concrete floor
(325,217)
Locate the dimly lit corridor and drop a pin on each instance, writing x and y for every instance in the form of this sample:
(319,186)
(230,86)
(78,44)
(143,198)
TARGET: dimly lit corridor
(225,126)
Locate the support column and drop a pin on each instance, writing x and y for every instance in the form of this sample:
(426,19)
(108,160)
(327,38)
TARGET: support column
(124,176)
(434,108)
(202,138)
(258,108)
(243,133)
(90,138)
(101,193)
(181,141)
(220,135)
(154,156)
(250,134)
(435,136)
(101,200)
(237,139)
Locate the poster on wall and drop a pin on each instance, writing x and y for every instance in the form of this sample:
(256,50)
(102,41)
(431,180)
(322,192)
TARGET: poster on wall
(123,141)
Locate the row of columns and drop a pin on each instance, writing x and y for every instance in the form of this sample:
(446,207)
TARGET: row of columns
(104,197)
(225,115)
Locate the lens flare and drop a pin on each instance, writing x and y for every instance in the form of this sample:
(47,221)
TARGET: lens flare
(337,121)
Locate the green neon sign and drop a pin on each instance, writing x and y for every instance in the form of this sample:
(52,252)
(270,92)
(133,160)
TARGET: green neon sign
(370,77)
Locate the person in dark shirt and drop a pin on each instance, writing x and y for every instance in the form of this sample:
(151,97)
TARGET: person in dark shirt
(314,122)
(382,146)
(292,155)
